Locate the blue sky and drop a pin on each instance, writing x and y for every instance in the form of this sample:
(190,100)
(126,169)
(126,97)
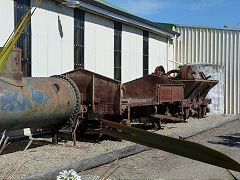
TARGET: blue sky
(215,13)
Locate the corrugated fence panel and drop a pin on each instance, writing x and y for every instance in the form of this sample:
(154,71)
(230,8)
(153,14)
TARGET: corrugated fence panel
(6,20)
(132,53)
(99,45)
(216,46)
(52,39)
(157,52)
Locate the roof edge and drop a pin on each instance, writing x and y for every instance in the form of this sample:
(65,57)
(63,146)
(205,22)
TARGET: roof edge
(105,7)
(206,27)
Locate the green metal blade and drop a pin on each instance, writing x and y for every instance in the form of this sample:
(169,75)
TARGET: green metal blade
(180,147)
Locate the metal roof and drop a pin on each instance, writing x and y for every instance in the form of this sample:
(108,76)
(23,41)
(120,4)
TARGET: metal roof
(113,12)
(170,26)
(208,27)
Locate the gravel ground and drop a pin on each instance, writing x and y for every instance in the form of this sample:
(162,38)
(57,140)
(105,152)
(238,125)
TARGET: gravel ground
(43,156)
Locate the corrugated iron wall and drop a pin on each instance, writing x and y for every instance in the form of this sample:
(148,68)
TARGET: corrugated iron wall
(158,54)
(132,53)
(6,19)
(217,46)
(170,55)
(52,28)
(99,44)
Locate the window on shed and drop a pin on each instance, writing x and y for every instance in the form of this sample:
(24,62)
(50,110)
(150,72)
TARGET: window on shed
(145,52)
(24,42)
(79,18)
(117,50)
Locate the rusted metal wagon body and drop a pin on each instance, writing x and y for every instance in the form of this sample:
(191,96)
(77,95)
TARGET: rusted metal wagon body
(99,94)
(195,96)
(195,102)
(153,97)
(162,96)
(152,90)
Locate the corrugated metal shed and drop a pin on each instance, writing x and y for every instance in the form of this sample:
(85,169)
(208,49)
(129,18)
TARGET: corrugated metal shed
(217,46)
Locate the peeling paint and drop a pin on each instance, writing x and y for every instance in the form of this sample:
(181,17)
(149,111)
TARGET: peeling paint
(39,97)
(20,101)
(14,102)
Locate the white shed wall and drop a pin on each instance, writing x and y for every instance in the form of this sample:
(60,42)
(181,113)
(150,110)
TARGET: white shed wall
(52,39)
(216,46)
(170,53)
(132,53)
(158,52)
(6,20)
(99,45)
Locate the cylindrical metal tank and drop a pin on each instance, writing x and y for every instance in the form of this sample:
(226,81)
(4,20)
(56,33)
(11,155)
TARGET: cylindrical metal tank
(216,94)
(35,102)
(41,102)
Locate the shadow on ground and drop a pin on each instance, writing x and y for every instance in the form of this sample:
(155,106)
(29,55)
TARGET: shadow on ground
(19,144)
(231,140)
(15,146)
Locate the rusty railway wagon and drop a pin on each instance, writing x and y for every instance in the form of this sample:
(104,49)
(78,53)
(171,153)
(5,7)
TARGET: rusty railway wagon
(72,101)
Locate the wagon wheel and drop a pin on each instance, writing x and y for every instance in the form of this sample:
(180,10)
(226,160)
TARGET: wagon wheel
(159,71)
(187,72)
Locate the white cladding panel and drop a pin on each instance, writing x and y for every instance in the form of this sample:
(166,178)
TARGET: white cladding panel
(99,45)
(216,46)
(52,39)
(170,52)
(158,52)
(6,20)
(132,53)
